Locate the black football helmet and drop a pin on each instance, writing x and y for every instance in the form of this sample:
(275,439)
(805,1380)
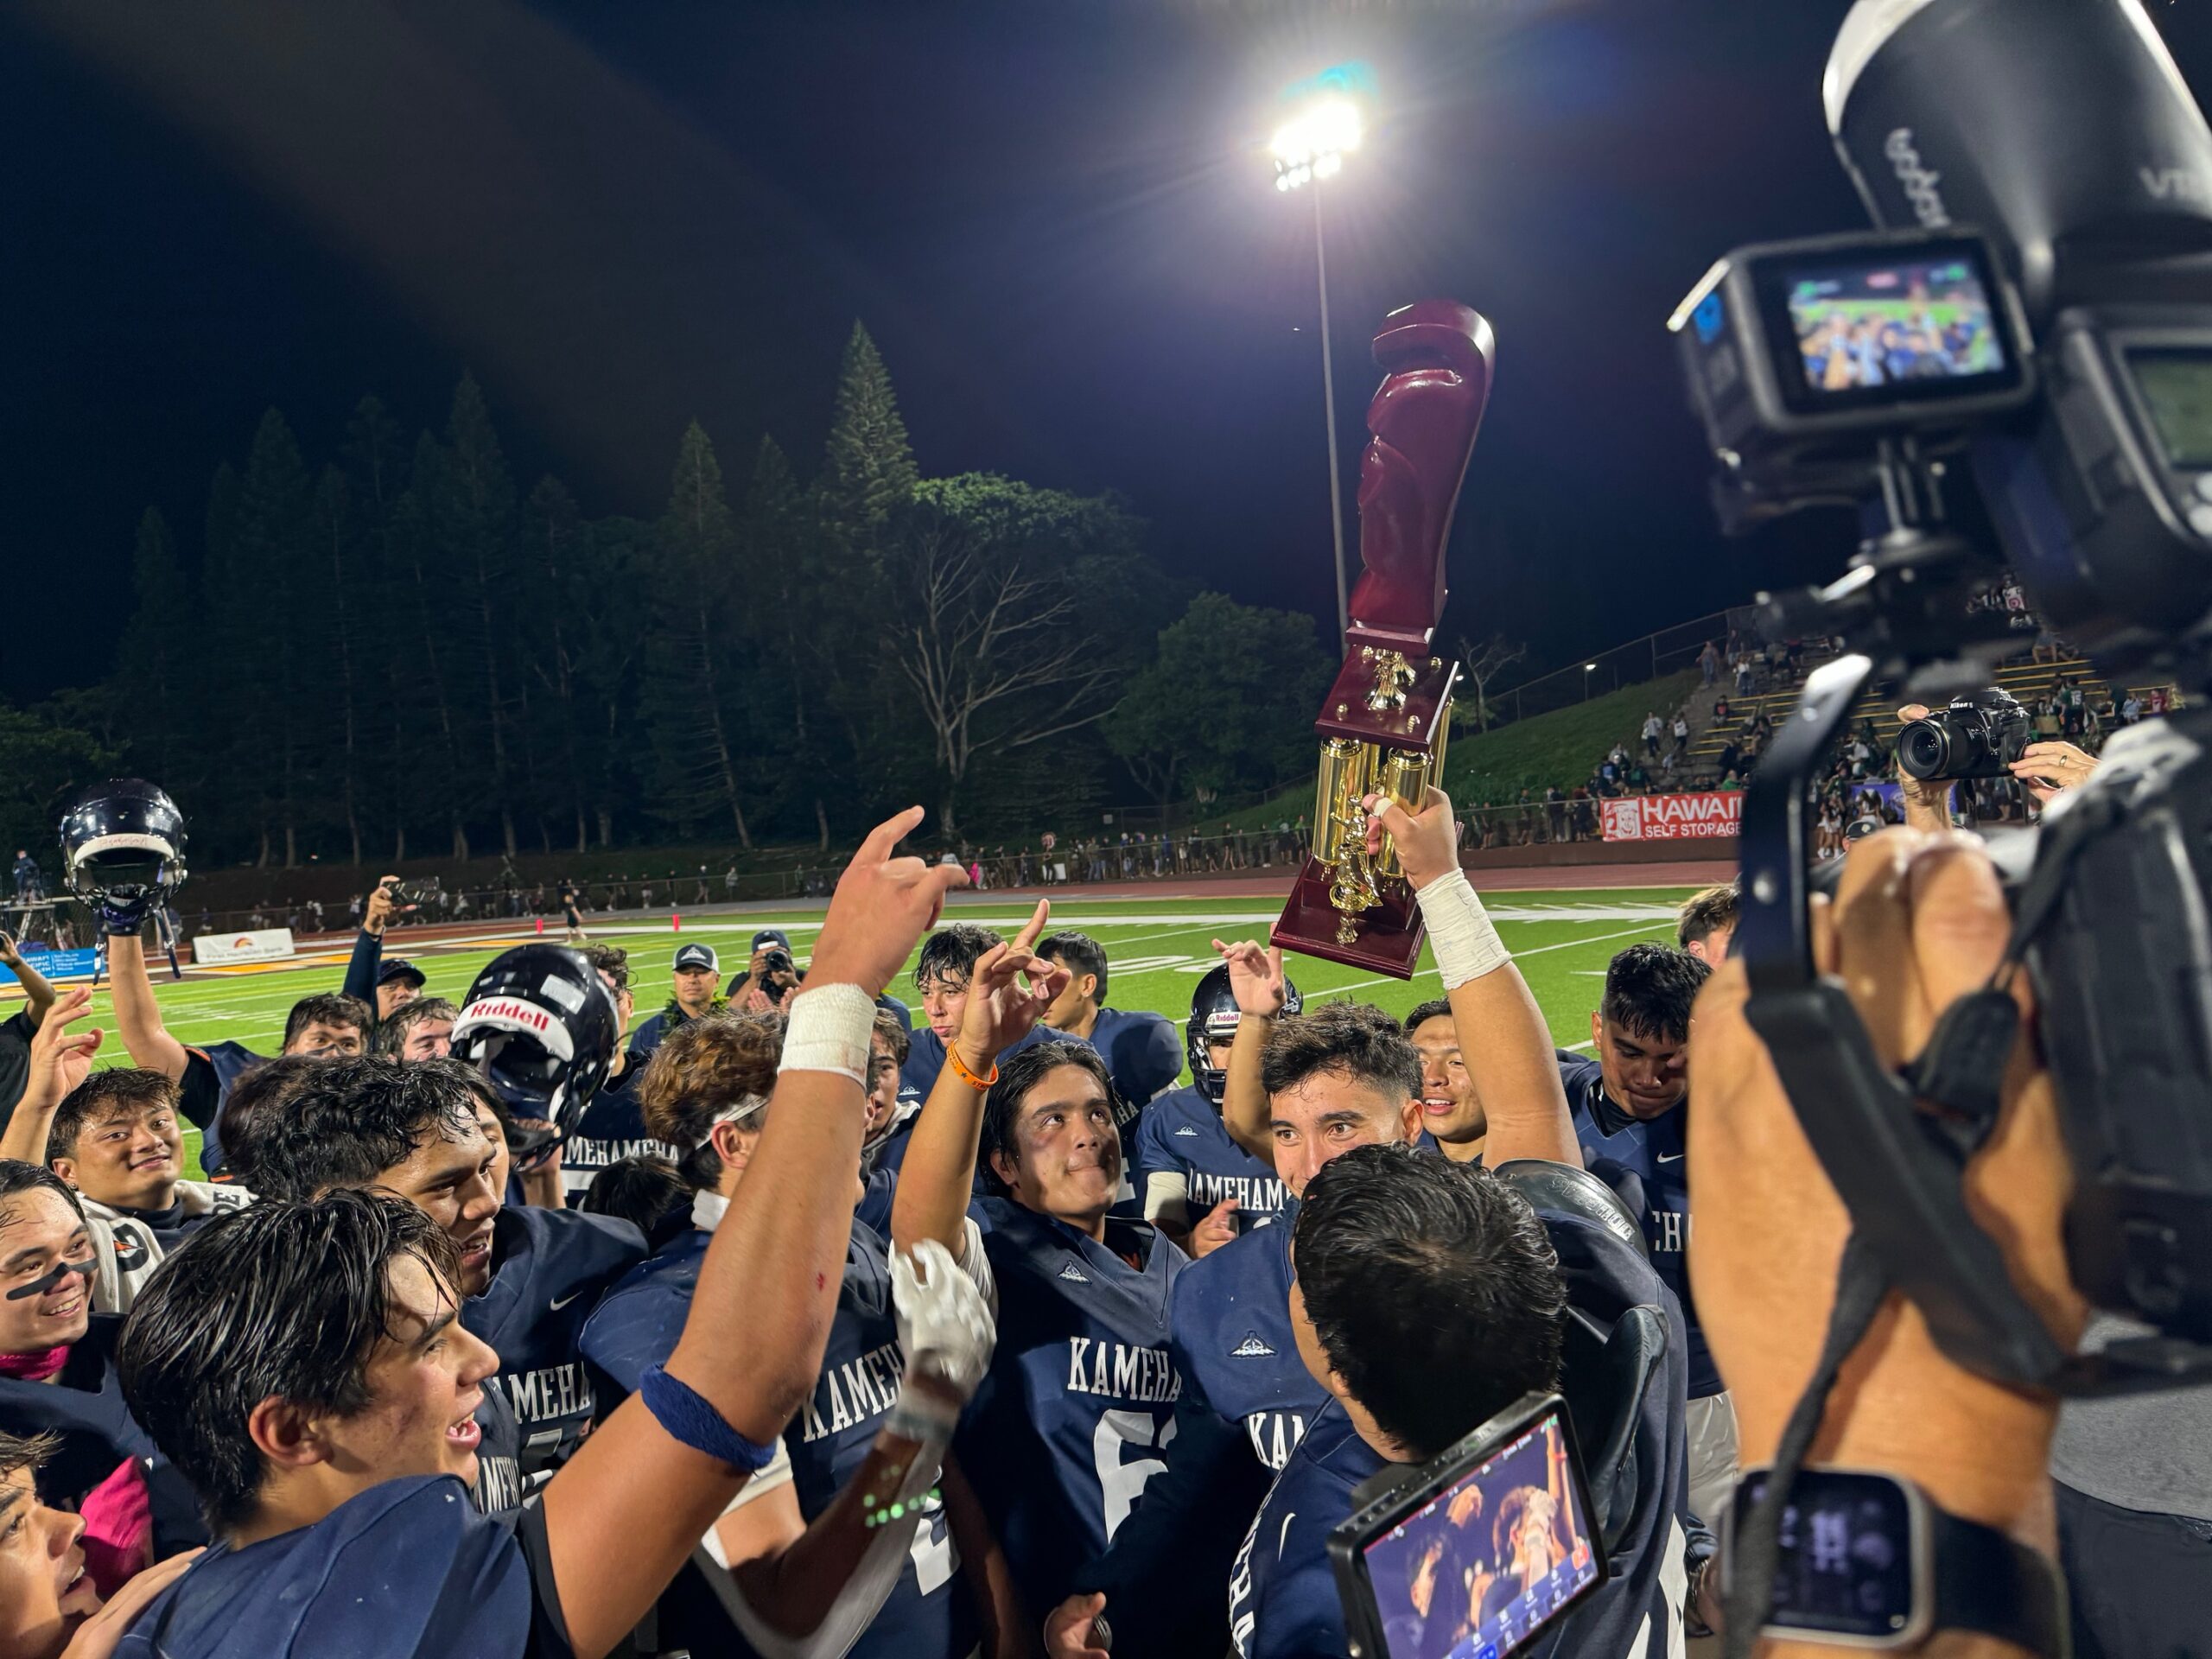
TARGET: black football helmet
(1214,1015)
(540,1025)
(123,845)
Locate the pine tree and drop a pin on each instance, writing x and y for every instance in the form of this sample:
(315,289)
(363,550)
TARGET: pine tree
(474,516)
(151,672)
(272,540)
(692,692)
(867,467)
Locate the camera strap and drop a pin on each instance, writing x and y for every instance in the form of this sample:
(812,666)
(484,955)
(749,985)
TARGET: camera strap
(1860,1288)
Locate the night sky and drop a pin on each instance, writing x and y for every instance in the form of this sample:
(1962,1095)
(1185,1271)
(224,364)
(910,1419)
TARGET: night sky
(1055,217)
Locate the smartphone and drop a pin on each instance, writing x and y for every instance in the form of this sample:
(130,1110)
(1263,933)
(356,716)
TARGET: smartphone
(1479,1550)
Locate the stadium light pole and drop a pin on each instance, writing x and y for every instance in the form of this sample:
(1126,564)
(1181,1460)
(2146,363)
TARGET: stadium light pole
(1308,148)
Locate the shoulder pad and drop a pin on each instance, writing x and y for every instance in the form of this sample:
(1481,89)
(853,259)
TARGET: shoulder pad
(1568,1191)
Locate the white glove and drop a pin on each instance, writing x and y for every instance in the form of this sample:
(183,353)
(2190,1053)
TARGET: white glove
(945,1326)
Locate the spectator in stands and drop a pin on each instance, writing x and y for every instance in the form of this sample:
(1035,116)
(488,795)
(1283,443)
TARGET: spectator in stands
(1719,712)
(1653,728)
(1744,674)
(1681,730)
(1708,663)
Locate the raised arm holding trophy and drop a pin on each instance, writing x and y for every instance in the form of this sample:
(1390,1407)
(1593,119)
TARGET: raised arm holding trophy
(1384,722)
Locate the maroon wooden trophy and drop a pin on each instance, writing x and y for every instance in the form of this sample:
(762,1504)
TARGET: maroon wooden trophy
(1385,723)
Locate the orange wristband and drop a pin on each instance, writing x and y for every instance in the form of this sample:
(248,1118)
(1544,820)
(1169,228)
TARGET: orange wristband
(960,1070)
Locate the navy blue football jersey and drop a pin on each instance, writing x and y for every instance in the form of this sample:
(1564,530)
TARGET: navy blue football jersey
(611,1130)
(499,1484)
(548,1269)
(1654,1151)
(1143,1056)
(407,1570)
(1283,1602)
(1181,1135)
(1081,1396)
(1282,1593)
(83,1408)
(204,1090)
(1231,1339)
(928,1614)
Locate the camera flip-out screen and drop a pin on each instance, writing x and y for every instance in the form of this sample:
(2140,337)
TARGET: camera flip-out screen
(2176,390)
(1908,325)
(1492,1542)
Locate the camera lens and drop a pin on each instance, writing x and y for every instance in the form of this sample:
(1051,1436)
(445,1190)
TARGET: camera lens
(1924,749)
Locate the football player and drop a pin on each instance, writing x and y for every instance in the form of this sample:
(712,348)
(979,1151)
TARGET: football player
(1451,1111)
(1200,1187)
(1067,1429)
(529,1277)
(1706,924)
(58,1378)
(327,1442)
(1631,1109)
(1140,1048)
(612,1127)
(942,974)
(323,1025)
(794,1580)
(423,1030)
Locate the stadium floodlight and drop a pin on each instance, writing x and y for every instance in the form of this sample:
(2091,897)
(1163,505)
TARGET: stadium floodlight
(1326,123)
(1313,143)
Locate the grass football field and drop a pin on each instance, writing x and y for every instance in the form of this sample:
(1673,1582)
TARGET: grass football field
(1156,948)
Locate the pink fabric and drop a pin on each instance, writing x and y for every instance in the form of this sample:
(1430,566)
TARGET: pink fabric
(34,1367)
(119,1538)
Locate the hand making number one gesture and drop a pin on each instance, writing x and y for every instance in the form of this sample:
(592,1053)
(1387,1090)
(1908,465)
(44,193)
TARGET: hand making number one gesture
(883,906)
(1000,1010)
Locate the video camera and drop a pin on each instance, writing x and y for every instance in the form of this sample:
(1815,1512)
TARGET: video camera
(2042,322)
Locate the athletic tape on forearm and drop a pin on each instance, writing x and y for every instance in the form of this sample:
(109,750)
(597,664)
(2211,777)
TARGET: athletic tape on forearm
(1460,930)
(829,1030)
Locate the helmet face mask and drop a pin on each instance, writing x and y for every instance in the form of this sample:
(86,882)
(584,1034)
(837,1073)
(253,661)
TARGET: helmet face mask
(122,843)
(540,1026)
(1214,1018)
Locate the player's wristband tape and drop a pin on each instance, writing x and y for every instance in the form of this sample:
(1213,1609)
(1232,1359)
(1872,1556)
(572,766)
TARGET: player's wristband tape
(1460,930)
(690,1417)
(829,1030)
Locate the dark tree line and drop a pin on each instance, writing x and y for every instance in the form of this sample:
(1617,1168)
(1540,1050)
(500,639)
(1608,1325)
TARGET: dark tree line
(399,652)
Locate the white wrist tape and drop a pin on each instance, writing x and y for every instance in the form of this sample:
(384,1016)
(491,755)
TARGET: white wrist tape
(829,1030)
(1460,930)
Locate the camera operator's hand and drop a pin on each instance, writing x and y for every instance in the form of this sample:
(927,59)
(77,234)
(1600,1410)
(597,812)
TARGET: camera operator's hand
(1071,1627)
(1917,922)
(1927,800)
(2050,769)
(381,906)
(1000,1010)
(881,907)
(1427,840)
(1256,977)
(1216,1228)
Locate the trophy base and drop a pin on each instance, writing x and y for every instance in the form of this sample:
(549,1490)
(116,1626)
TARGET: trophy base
(1384,940)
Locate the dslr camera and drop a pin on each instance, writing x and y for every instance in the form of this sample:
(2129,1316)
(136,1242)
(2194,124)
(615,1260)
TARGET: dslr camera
(1977,736)
(2032,321)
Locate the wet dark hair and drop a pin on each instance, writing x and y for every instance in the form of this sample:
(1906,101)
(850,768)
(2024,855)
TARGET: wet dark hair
(1432,1287)
(952,953)
(123,1090)
(896,1036)
(257,1099)
(1355,1038)
(1423,1012)
(1080,954)
(1018,1073)
(1650,988)
(643,1191)
(280,1300)
(351,1119)
(391,1035)
(611,960)
(332,1009)
(17,1178)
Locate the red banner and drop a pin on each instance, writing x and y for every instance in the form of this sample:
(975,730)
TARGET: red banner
(1674,818)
